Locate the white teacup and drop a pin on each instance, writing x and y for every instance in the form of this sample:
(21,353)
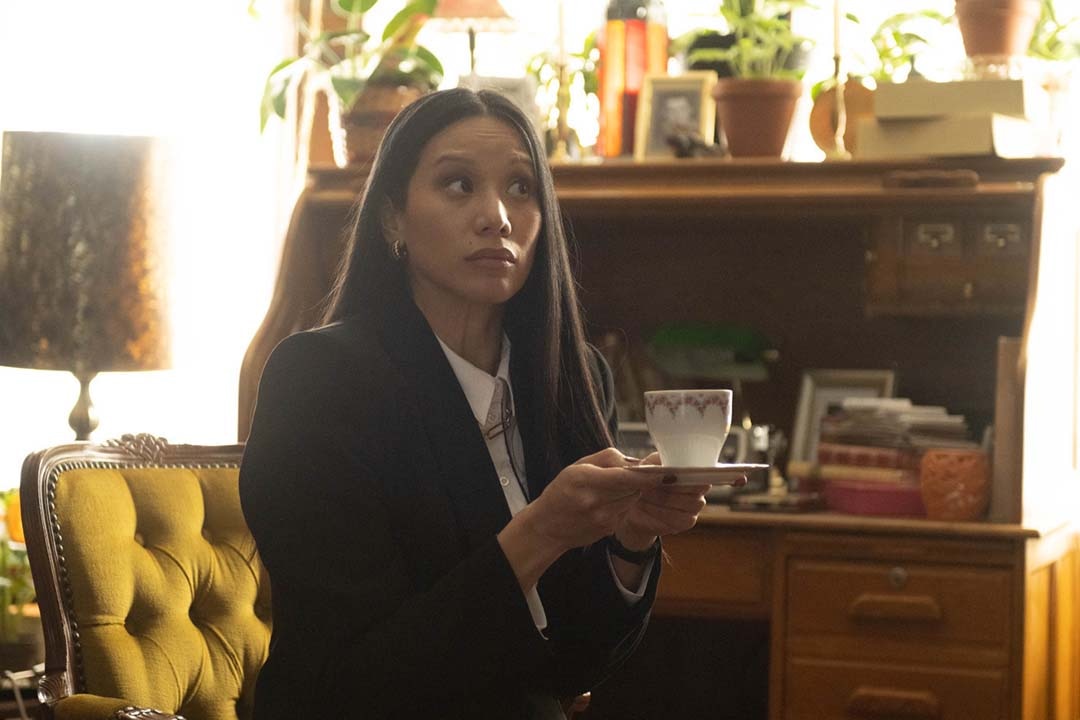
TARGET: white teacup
(688,426)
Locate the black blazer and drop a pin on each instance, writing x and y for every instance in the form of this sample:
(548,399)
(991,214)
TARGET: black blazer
(375,506)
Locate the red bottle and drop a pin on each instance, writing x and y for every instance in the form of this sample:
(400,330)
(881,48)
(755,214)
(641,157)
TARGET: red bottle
(633,42)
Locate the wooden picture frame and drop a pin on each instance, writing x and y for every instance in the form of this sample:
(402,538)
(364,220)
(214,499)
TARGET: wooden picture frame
(822,388)
(667,103)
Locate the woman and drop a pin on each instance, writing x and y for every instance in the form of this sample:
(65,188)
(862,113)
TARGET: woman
(430,478)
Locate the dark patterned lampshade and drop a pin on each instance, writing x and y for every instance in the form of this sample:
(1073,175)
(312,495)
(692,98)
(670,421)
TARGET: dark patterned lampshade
(80,271)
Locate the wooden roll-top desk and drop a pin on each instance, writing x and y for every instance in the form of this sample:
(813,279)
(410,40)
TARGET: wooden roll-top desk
(927,268)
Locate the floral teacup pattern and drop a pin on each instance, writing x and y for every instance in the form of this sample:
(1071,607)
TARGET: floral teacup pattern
(698,401)
(688,426)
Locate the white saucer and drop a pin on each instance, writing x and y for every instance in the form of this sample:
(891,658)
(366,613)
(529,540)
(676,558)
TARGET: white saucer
(723,474)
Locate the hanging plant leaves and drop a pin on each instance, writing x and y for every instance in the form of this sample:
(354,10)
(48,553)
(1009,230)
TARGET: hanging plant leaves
(353,7)
(430,60)
(276,91)
(347,88)
(410,67)
(408,20)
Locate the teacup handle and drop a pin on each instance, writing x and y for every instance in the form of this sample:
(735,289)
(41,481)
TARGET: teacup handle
(742,443)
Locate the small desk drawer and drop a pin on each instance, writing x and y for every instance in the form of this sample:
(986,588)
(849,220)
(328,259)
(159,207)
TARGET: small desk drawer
(903,611)
(715,572)
(828,690)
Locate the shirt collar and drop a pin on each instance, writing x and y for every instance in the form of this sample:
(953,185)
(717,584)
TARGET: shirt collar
(478,385)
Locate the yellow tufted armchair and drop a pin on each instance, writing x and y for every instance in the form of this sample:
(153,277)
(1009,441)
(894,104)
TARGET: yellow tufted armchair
(151,591)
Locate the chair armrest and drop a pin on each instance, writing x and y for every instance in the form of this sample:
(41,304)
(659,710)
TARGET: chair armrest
(83,706)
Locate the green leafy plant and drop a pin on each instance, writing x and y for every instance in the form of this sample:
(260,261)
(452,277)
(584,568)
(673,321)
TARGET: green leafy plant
(16,584)
(1050,40)
(581,69)
(346,61)
(544,67)
(897,44)
(763,41)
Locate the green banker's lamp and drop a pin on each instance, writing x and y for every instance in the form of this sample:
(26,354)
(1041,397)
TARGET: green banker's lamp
(80,285)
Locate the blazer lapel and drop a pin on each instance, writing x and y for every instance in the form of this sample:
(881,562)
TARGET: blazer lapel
(465,471)
(532,436)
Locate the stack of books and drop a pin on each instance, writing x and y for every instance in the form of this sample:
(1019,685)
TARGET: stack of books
(894,423)
(919,118)
(868,453)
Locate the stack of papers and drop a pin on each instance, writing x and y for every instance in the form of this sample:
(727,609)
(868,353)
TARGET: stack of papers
(895,423)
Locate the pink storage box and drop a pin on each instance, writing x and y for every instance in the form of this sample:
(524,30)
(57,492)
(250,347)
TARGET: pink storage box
(873,498)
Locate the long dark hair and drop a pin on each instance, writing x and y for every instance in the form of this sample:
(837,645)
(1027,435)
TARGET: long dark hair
(543,321)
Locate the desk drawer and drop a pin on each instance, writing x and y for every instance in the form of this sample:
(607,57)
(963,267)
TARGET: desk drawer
(903,611)
(713,572)
(957,262)
(827,690)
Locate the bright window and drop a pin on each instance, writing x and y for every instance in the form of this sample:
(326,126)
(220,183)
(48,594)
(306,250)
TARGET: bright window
(193,72)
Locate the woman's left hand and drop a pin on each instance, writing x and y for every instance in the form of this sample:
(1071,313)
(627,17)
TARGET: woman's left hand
(664,510)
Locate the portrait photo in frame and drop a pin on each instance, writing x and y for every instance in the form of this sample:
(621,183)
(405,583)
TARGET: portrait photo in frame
(674,104)
(822,390)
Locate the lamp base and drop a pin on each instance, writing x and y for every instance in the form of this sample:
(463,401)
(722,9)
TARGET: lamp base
(83,419)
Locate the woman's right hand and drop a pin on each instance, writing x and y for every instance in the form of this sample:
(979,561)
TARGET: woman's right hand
(587,500)
(584,503)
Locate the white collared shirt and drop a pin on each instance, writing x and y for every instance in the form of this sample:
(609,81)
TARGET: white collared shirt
(479,389)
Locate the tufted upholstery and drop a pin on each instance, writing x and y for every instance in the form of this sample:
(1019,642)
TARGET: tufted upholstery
(151,590)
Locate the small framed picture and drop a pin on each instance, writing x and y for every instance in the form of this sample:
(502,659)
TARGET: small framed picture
(669,105)
(823,390)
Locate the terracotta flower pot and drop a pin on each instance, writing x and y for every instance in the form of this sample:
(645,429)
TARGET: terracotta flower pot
(997,28)
(755,114)
(356,131)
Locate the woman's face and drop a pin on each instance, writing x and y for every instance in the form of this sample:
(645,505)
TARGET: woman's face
(471,217)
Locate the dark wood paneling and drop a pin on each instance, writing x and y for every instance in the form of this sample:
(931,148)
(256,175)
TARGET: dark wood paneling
(801,283)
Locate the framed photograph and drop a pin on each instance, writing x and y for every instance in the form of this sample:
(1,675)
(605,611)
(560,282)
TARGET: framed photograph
(823,390)
(670,104)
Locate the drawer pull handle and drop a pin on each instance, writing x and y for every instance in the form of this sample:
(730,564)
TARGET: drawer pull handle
(930,179)
(877,702)
(870,606)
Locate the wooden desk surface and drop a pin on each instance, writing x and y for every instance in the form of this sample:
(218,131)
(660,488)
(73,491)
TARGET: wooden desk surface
(720,516)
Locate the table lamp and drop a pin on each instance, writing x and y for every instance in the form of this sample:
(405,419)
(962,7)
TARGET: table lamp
(79,258)
(473,15)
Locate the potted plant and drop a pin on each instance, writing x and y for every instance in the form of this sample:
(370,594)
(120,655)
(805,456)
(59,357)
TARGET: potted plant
(897,42)
(1049,40)
(996,31)
(755,105)
(367,80)
(21,641)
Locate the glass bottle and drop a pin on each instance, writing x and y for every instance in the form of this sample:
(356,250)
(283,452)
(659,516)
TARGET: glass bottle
(633,42)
